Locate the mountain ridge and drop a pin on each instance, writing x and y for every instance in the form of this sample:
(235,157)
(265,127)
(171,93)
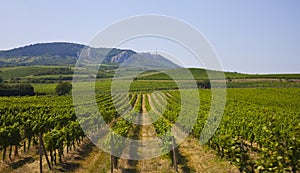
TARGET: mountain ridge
(64,53)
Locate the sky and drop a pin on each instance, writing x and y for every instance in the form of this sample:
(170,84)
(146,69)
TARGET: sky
(248,36)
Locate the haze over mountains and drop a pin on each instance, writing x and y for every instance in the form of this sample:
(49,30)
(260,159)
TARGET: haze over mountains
(60,53)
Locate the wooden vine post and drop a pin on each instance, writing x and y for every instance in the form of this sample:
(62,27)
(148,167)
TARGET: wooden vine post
(112,161)
(40,152)
(174,154)
(45,152)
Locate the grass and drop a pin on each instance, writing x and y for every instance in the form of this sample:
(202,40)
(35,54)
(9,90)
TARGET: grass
(197,158)
(41,89)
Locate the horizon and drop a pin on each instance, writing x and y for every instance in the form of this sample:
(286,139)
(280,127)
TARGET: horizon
(151,52)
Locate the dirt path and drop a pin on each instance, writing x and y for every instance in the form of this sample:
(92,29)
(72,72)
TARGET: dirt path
(147,132)
(201,159)
(143,133)
(91,159)
(125,165)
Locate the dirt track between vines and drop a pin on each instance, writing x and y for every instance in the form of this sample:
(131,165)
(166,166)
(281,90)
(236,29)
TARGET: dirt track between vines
(191,156)
(145,133)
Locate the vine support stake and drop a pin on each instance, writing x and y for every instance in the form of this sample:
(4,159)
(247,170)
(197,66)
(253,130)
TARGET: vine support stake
(41,152)
(45,152)
(174,154)
(112,161)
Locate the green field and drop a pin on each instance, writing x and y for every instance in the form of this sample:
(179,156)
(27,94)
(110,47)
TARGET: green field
(259,129)
(107,71)
(104,86)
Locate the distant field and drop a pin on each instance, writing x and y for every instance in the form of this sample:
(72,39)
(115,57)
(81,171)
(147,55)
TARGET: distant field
(107,71)
(48,74)
(9,73)
(104,86)
(40,88)
(202,74)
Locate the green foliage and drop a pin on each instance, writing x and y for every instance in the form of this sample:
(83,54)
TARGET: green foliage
(13,73)
(24,118)
(204,84)
(63,88)
(104,74)
(16,90)
(26,89)
(259,131)
(1,80)
(263,84)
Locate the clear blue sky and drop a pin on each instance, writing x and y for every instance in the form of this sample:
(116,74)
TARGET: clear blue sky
(249,36)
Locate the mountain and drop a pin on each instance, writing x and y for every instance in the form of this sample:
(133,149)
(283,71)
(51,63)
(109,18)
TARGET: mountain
(44,49)
(60,53)
(148,60)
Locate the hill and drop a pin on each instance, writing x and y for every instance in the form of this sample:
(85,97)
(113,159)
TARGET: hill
(61,53)
(44,49)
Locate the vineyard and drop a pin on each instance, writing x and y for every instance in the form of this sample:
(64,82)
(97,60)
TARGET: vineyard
(259,132)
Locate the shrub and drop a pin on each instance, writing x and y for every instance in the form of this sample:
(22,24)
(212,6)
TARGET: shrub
(204,84)
(26,89)
(16,90)
(63,88)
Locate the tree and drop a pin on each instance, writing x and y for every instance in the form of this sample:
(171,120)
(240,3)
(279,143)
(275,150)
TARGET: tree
(204,84)
(26,89)
(1,80)
(17,90)
(63,88)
